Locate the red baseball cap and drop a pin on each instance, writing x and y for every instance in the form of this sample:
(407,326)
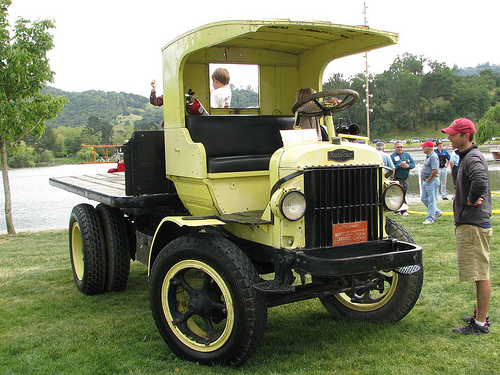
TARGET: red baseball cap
(460,125)
(428,144)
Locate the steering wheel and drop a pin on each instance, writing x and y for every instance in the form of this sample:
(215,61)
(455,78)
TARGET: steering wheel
(351,97)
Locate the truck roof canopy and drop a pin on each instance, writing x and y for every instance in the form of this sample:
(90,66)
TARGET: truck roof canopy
(289,54)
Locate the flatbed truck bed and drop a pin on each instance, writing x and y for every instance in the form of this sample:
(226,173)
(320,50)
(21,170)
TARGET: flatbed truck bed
(109,188)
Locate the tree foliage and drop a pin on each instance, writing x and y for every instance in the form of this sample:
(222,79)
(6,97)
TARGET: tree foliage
(104,105)
(414,92)
(24,72)
(489,125)
(244,98)
(103,131)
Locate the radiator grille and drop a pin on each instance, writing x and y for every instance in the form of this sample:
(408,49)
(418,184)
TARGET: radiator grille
(341,195)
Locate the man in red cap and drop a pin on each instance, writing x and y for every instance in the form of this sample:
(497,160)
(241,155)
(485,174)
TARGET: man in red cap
(430,182)
(472,215)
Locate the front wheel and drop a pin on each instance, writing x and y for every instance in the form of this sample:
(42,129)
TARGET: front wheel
(394,297)
(203,302)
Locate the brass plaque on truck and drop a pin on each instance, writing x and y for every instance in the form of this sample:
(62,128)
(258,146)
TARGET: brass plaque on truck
(346,233)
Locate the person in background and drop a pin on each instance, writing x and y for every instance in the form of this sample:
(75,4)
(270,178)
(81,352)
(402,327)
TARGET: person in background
(220,96)
(403,163)
(430,182)
(454,160)
(444,161)
(473,227)
(380,146)
(157,101)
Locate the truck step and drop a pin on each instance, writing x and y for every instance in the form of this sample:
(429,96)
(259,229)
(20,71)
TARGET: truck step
(274,287)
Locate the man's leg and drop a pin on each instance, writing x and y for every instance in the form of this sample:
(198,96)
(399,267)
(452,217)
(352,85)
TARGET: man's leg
(427,192)
(433,195)
(404,185)
(483,294)
(437,211)
(443,176)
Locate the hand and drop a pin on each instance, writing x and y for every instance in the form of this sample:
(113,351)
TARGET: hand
(153,85)
(333,100)
(477,203)
(403,164)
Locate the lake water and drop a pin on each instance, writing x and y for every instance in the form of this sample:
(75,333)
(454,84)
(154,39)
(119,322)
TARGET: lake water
(36,205)
(419,156)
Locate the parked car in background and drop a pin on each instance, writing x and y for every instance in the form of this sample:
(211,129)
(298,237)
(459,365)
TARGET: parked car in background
(416,140)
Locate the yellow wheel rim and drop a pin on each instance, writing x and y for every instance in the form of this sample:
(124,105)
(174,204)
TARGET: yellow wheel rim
(177,302)
(373,300)
(77,251)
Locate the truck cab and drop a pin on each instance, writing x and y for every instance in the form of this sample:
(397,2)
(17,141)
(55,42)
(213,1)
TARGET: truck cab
(240,210)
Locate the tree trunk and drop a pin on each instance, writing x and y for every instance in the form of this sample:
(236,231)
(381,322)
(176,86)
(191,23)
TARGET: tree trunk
(6,188)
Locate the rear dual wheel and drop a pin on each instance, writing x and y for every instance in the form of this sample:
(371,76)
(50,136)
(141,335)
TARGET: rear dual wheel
(203,302)
(87,249)
(117,248)
(99,251)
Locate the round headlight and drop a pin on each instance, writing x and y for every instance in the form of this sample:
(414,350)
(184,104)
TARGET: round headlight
(293,205)
(394,197)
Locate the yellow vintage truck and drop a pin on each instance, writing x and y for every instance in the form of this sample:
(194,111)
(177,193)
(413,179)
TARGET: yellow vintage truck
(241,210)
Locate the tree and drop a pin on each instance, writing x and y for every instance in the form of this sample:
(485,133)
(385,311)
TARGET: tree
(407,105)
(470,97)
(437,84)
(100,130)
(244,98)
(24,72)
(489,125)
(357,113)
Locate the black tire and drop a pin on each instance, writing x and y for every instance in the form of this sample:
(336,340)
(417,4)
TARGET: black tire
(398,297)
(87,250)
(203,302)
(117,248)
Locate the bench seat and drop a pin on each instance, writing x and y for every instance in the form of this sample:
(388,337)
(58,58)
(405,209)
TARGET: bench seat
(238,143)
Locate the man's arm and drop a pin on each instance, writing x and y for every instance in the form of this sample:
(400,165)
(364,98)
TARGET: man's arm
(479,178)
(432,175)
(412,162)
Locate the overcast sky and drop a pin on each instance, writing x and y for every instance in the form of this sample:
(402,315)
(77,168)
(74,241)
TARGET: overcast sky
(115,45)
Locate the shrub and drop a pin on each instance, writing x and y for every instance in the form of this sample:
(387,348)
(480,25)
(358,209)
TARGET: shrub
(85,154)
(23,157)
(46,156)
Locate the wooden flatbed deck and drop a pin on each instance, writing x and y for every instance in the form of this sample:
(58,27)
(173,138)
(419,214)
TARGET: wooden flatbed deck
(109,188)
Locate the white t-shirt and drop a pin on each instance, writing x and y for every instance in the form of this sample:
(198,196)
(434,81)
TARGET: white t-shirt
(221,97)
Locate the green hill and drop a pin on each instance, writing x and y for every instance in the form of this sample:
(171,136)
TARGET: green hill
(107,106)
(120,108)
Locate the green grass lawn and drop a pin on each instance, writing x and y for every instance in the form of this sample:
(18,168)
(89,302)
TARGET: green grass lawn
(48,327)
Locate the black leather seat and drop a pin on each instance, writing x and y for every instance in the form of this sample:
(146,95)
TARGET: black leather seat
(238,143)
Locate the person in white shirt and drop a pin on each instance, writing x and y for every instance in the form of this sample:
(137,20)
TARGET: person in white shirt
(220,96)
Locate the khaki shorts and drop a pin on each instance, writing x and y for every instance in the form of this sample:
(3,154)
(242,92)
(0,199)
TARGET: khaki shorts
(473,252)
